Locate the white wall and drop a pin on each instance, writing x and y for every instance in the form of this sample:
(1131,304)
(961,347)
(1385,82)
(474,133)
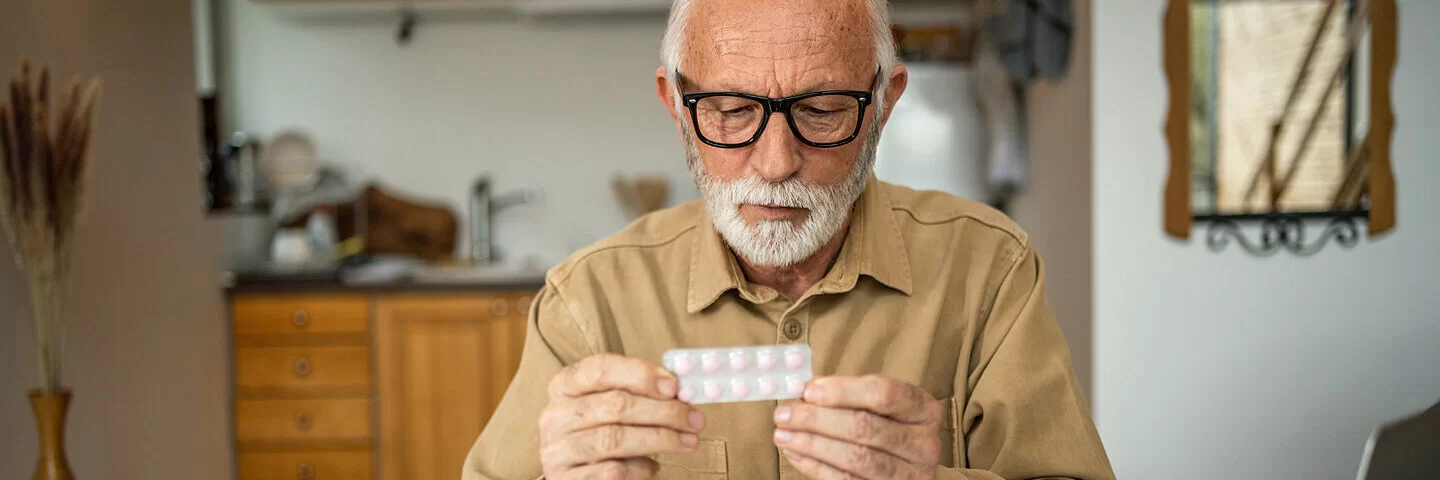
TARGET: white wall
(1226,365)
(146,351)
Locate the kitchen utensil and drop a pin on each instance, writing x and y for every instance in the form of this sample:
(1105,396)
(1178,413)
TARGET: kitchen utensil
(643,195)
(290,162)
(393,224)
(290,247)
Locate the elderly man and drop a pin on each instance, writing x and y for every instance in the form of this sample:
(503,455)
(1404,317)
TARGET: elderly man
(935,352)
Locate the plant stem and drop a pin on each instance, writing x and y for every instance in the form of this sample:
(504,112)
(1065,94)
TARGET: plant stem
(38,304)
(57,317)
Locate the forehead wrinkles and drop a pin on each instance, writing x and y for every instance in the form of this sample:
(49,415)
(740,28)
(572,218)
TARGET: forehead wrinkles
(788,30)
(786,43)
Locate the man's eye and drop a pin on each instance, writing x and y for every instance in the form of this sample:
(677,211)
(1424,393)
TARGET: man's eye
(816,111)
(738,111)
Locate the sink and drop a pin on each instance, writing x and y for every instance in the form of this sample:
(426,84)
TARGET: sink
(476,275)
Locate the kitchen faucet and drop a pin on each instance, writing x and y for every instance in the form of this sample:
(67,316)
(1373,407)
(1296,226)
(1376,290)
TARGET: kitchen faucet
(483,207)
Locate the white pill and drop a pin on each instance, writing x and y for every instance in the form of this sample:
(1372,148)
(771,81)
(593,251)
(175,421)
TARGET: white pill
(794,385)
(683,364)
(739,361)
(794,358)
(710,362)
(768,386)
(740,389)
(713,390)
(687,393)
(765,359)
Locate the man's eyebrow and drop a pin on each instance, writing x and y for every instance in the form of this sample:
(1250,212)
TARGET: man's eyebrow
(821,86)
(687,83)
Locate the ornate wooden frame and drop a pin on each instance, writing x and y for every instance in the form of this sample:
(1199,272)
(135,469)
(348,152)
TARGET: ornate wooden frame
(1178,217)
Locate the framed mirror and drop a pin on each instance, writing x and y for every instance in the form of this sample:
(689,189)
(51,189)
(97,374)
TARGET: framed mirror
(1279,114)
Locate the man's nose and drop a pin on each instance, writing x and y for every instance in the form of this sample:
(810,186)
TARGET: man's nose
(776,155)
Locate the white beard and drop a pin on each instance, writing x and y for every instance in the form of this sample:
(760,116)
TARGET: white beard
(780,243)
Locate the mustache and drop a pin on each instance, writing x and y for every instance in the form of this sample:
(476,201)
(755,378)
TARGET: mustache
(791,193)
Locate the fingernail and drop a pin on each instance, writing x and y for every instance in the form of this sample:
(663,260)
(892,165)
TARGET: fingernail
(667,387)
(697,419)
(783,436)
(782,414)
(814,393)
(689,439)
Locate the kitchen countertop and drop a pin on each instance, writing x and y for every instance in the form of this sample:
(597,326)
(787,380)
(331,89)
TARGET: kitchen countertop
(329,281)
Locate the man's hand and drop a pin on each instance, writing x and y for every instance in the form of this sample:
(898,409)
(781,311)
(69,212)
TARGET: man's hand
(607,414)
(870,427)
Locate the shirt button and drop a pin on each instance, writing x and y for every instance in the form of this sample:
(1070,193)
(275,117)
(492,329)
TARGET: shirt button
(792,329)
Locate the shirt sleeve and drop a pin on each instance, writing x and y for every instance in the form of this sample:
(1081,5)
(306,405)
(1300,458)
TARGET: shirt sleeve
(509,447)
(1025,416)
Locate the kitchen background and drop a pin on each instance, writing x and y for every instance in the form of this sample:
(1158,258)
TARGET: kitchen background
(1282,368)
(557,102)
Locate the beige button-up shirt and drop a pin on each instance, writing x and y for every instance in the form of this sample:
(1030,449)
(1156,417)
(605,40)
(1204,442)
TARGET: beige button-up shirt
(930,289)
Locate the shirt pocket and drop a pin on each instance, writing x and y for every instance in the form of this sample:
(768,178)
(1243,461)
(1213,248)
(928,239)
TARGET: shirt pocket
(707,462)
(951,443)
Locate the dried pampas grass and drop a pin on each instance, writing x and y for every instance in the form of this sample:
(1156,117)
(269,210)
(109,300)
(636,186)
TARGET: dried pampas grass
(43,164)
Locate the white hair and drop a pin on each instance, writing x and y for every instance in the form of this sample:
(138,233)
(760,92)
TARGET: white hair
(672,46)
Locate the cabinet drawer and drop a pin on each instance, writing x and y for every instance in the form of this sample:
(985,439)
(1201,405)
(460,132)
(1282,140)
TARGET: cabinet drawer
(507,305)
(265,315)
(302,367)
(290,420)
(305,466)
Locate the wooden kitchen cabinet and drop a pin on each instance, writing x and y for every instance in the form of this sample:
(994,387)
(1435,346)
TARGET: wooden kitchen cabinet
(306,465)
(350,386)
(301,424)
(281,316)
(443,363)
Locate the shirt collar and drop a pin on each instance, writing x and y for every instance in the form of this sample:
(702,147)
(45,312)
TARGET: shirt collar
(873,247)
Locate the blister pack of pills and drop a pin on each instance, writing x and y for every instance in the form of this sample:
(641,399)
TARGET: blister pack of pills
(740,374)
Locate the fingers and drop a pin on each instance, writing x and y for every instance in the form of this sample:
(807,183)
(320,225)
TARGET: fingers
(614,442)
(877,394)
(915,443)
(601,373)
(854,460)
(814,469)
(619,407)
(627,469)
(607,412)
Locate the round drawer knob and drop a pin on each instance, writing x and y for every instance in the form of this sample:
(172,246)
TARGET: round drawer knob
(305,471)
(300,318)
(499,307)
(522,305)
(302,367)
(303,421)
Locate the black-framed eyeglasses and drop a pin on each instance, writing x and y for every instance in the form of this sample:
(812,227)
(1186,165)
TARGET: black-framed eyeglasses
(824,119)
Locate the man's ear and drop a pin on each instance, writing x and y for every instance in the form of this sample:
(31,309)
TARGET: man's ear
(899,79)
(666,94)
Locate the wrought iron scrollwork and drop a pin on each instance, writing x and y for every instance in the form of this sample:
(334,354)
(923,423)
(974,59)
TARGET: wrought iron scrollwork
(1279,233)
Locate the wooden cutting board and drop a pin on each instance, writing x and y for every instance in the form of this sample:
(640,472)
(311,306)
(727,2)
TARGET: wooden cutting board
(400,225)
